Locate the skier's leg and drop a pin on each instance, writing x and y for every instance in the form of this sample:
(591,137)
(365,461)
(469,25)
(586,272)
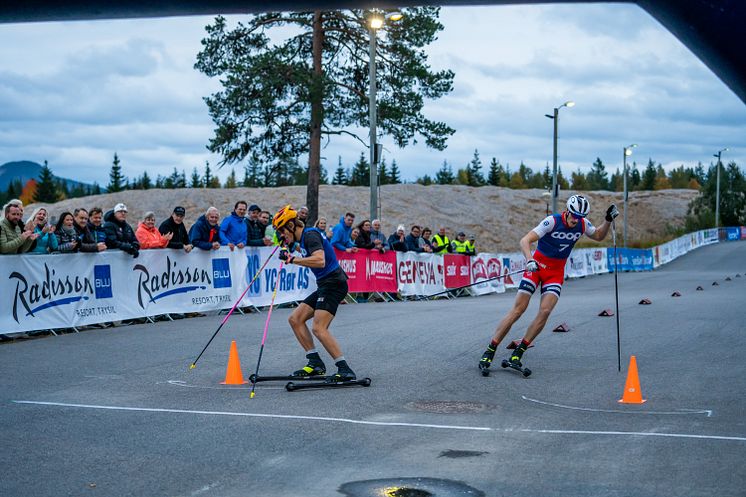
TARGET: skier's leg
(297,320)
(549,300)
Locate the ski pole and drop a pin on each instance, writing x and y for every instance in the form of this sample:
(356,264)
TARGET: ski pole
(616,294)
(423,297)
(194,364)
(266,326)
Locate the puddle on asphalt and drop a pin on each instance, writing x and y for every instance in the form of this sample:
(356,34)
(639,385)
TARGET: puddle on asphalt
(409,487)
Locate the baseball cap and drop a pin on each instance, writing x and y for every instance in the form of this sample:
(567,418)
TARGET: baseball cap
(461,233)
(179,211)
(120,207)
(254,207)
(472,237)
(400,228)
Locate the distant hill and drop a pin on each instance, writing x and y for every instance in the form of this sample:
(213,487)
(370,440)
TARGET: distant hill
(26,170)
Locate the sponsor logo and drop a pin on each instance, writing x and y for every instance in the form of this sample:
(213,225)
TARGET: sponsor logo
(171,280)
(564,235)
(52,291)
(221,273)
(378,269)
(102,281)
(422,272)
(348,265)
(252,267)
(479,270)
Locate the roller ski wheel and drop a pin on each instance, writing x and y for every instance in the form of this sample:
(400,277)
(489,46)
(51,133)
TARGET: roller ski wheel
(484,369)
(516,366)
(291,386)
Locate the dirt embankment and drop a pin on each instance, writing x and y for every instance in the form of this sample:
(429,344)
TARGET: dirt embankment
(498,217)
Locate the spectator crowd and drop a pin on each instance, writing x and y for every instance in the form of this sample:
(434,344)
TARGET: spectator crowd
(247,225)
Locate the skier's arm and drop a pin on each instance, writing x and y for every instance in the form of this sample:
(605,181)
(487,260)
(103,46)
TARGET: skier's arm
(315,260)
(526,241)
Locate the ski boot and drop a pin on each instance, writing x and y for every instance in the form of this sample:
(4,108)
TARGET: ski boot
(515,362)
(486,361)
(344,374)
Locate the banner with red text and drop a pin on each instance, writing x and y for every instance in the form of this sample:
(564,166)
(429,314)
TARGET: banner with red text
(419,274)
(369,270)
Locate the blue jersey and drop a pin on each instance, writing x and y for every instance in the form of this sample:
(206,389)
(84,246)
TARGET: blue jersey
(556,239)
(309,245)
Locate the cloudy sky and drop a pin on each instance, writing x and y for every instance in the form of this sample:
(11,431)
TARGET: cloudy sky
(75,93)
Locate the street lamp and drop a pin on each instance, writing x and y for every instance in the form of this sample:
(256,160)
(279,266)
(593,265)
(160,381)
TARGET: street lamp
(546,195)
(375,22)
(717,189)
(555,117)
(627,153)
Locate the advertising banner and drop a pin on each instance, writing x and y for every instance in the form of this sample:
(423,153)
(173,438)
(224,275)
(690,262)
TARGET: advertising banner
(65,290)
(457,270)
(733,234)
(743,232)
(483,267)
(295,282)
(630,259)
(419,274)
(369,270)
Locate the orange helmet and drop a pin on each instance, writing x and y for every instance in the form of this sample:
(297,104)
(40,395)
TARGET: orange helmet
(283,216)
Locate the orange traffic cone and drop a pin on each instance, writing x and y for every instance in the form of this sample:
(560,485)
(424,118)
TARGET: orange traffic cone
(233,375)
(632,393)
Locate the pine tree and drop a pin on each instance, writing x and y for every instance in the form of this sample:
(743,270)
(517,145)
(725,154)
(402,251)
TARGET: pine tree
(394,175)
(597,178)
(425,180)
(46,189)
(579,181)
(196,181)
(526,174)
(493,177)
(340,176)
(516,181)
(145,182)
(648,176)
(634,179)
(383,173)
(208,177)
(360,172)
(661,179)
(117,181)
(445,176)
(474,170)
(230,181)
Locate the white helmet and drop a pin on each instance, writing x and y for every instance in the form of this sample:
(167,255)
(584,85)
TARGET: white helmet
(578,205)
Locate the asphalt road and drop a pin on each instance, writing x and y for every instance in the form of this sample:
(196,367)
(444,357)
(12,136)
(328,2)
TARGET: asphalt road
(117,412)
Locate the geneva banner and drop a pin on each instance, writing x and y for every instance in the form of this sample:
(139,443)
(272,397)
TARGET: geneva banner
(369,270)
(419,274)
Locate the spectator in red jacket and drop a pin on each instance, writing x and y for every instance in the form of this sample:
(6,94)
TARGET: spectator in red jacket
(149,236)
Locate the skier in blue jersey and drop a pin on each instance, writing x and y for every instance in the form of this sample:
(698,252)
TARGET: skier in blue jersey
(317,254)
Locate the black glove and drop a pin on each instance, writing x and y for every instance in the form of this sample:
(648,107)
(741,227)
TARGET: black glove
(611,213)
(135,253)
(286,256)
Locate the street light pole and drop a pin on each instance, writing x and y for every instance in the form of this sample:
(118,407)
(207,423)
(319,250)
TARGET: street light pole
(627,153)
(717,189)
(555,117)
(375,22)
(373,116)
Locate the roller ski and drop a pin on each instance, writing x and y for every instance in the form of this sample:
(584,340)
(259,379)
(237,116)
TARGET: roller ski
(290,377)
(486,361)
(291,386)
(515,360)
(515,363)
(345,377)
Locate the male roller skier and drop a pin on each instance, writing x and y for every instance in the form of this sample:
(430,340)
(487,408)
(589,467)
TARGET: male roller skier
(557,235)
(318,255)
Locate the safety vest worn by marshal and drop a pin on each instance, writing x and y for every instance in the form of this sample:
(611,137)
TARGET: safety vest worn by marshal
(460,247)
(470,246)
(442,242)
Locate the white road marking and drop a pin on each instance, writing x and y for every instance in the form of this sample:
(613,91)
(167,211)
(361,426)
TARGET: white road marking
(382,423)
(255,415)
(180,383)
(708,412)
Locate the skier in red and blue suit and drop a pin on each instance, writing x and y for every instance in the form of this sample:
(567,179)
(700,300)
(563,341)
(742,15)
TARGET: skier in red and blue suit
(545,268)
